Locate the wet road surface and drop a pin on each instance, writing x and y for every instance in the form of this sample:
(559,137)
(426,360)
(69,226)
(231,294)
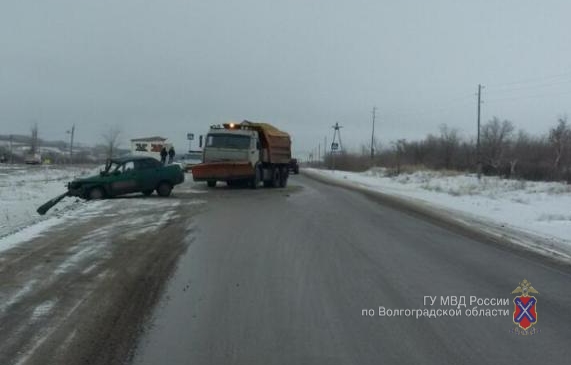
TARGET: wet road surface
(79,292)
(283,276)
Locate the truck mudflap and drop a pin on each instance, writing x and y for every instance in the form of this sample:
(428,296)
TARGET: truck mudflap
(222,171)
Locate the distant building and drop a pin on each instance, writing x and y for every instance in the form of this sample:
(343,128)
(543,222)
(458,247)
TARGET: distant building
(33,159)
(149,146)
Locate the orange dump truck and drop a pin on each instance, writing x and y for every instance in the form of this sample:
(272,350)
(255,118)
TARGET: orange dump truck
(245,153)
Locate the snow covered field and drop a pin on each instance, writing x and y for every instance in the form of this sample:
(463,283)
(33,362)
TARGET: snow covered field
(24,188)
(542,208)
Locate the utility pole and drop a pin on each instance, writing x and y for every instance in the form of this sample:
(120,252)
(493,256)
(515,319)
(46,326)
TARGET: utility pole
(373,134)
(11,153)
(71,144)
(319,153)
(335,146)
(336,133)
(478,151)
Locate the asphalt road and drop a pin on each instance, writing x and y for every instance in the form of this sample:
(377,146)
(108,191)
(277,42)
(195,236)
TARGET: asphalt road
(282,277)
(79,292)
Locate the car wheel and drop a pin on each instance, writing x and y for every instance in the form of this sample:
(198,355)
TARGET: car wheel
(147,192)
(164,189)
(96,194)
(211,183)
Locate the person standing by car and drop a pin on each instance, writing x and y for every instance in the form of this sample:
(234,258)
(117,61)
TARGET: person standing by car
(171,154)
(164,154)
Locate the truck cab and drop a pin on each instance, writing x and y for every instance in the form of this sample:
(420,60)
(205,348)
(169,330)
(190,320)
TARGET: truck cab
(232,145)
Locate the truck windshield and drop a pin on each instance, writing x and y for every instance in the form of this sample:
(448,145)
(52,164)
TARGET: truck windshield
(228,141)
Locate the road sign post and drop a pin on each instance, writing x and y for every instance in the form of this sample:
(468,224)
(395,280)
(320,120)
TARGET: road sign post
(334,145)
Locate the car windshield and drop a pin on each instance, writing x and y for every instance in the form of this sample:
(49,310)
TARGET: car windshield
(111,166)
(228,141)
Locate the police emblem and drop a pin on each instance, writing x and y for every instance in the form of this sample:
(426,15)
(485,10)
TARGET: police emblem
(525,306)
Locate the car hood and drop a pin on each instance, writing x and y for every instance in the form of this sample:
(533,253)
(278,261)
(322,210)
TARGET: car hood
(88,179)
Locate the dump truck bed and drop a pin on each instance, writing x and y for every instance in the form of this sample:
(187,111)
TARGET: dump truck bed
(276,144)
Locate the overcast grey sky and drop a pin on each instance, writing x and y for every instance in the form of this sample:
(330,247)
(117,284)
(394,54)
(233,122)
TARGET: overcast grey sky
(175,66)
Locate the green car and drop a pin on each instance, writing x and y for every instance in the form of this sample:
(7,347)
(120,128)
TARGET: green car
(126,175)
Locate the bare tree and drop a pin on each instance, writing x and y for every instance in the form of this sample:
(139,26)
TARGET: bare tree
(532,157)
(449,141)
(111,141)
(400,147)
(417,152)
(494,140)
(560,138)
(517,151)
(467,154)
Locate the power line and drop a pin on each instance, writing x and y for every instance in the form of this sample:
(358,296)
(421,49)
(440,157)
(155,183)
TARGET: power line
(520,97)
(530,80)
(560,79)
(498,96)
(530,87)
(429,110)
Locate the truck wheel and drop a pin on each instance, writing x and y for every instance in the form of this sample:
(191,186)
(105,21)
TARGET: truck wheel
(284,174)
(211,183)
(164,189)
(96,194)
(276,176)
(255,182)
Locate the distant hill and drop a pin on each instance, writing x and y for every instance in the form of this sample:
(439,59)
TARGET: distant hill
(54,151)
(23,139)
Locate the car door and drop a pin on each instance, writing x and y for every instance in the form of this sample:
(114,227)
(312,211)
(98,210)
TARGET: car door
(124,179)
(148,174)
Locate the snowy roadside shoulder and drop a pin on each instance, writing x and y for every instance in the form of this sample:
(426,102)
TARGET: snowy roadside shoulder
(532,214)
(24,188)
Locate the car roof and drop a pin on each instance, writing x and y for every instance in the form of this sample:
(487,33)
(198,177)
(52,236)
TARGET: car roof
(131,158)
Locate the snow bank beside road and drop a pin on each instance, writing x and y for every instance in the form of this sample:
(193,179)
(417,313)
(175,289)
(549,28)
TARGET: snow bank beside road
(534,207)
(24,188)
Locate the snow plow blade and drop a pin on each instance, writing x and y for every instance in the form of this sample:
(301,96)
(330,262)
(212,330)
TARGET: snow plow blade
(222,171)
